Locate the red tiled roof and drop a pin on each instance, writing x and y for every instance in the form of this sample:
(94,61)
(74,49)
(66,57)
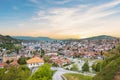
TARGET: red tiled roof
(35,60)
(2,64)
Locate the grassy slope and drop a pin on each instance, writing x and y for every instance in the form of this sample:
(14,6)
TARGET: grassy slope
(110,70)
(77,77)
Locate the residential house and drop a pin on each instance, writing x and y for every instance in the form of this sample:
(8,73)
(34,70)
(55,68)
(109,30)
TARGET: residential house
(35,62)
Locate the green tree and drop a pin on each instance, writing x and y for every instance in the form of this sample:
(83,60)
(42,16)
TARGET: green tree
(85,67)
(22,60)
(54,64)
(17,49)
(43,73)
(2,73)
(42,52)
(34,52)
(97,67)
(16,73)
(46,58)
(8,62)
(94,67)
(23,73)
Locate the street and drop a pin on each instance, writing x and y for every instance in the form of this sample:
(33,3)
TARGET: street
(60,71)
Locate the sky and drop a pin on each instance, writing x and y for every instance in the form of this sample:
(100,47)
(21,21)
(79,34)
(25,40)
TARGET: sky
(60,18)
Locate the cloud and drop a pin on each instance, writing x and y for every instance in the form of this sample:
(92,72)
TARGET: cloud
(107,5)
(76,15)
(83,20)
(51,1)
(58,1)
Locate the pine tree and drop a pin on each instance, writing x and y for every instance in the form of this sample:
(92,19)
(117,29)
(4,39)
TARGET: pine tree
(85,67)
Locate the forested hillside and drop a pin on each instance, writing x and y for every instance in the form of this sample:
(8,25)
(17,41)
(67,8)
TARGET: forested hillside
(110,67)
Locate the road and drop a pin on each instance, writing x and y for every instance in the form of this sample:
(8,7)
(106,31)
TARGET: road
(60,71)
(58,74)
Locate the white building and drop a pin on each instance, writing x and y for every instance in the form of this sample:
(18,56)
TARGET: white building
(35,62)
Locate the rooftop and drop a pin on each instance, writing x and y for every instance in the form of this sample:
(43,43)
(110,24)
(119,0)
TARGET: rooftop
(35,60)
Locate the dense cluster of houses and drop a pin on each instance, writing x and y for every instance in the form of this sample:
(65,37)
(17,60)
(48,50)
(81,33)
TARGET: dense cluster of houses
(57,60)
(83,48)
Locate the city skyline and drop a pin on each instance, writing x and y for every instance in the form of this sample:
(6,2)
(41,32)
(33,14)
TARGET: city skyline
(60,18)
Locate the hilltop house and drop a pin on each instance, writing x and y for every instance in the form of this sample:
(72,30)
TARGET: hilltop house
(35,62)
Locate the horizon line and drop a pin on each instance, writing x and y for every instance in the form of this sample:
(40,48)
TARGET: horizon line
(66,38)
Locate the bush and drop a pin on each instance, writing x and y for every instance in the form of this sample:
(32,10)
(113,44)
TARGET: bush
(43,73)
(14,73)
(74,67)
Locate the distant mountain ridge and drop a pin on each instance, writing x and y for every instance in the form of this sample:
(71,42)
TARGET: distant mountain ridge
(32,38)
(101,37)
(8,38)
(49,39)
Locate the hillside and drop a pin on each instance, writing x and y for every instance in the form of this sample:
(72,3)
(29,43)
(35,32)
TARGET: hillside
(70,39)
(111,69)
(32,38)
(101,37)
(8,42)
(6,39)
